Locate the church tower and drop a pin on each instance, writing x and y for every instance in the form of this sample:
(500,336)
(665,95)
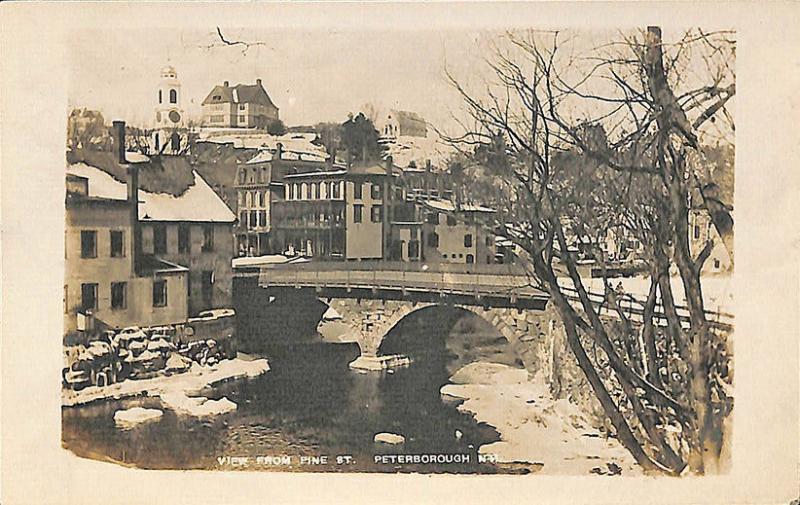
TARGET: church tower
(170,124)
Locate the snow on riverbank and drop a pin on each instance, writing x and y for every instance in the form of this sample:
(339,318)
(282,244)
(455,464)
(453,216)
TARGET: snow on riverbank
(187,383)
(533,426)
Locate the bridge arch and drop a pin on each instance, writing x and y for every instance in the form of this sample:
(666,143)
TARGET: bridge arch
(464,332)
(368,322)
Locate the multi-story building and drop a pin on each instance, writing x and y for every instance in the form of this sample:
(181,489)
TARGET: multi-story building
(457,234)
(259,183)
(310,218)
(193,229)
(239,106)
(107,283)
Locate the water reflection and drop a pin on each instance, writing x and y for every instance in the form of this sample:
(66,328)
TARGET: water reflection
(309,403)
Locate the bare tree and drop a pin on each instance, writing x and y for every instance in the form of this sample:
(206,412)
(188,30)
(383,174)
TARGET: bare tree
(587,142)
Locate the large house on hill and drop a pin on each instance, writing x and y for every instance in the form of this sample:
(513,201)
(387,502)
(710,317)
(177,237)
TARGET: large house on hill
(239,106)
(403,123)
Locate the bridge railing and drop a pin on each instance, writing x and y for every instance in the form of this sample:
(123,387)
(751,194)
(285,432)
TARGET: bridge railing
(485,280)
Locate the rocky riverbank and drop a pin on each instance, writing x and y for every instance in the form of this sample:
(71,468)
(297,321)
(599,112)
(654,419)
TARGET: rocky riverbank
(534,428)
(187,383)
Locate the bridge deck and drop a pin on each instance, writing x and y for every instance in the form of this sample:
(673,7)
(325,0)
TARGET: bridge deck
(476,283)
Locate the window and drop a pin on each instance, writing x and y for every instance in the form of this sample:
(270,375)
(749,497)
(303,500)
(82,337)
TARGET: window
(413,248)
(159,293)
(433,218)
(207,283)
(176,142)
(88,296)
(717,263)
(314,191)
(323,191)
(375,192)
(217,119)
(183,238)
(468,240)
(262,218)
(451,220)
(357,210)
(253,218)
(398,194)
(304,191)
(208,238)
(118,295)
(488,241)
(335,192)
(173,96)
(357,190)
(470,258)
(242,176)
(376,213)
(433,240)
(88,244)
(241,118)
(243,218)
(160,97)
(159,239)
(117,244)
(697,231)
(241,106)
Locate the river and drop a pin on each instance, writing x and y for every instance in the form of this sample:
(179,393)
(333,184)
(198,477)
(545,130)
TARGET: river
(310,404)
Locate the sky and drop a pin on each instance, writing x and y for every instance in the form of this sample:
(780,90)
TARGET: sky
(311,76)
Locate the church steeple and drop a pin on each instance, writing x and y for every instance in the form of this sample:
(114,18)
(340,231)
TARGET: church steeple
(169,116)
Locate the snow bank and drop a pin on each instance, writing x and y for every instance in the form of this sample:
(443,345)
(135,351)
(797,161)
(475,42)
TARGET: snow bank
(533,426)
(389,438)
(198,406)
(191,382)
(127,419)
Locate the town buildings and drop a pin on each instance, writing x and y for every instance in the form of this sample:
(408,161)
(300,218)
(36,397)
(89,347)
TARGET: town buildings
(107,282)
(239,106)
(187,231)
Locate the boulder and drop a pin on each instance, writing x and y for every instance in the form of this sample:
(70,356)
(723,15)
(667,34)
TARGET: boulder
(390,438)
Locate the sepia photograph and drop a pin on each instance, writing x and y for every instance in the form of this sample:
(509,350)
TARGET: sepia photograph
(286,266)
(336,243)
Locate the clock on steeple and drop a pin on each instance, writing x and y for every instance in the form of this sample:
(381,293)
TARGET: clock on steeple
(169,116)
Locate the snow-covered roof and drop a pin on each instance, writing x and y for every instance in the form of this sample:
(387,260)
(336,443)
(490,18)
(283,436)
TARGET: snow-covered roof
(313,174)
(199,203)
(136,157)
(448,206)
(404,150)
(296,146)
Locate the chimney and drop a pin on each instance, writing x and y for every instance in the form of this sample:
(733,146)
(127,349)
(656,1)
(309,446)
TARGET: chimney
(428,166)
(258,81)
(387,198)
(132,196)
(226,84)
(119,139)
(279,151)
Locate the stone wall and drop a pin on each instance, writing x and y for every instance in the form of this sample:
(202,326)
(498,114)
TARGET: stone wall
(536,337)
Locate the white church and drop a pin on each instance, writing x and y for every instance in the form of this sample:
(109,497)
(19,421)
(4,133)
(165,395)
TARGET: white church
(170,133)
